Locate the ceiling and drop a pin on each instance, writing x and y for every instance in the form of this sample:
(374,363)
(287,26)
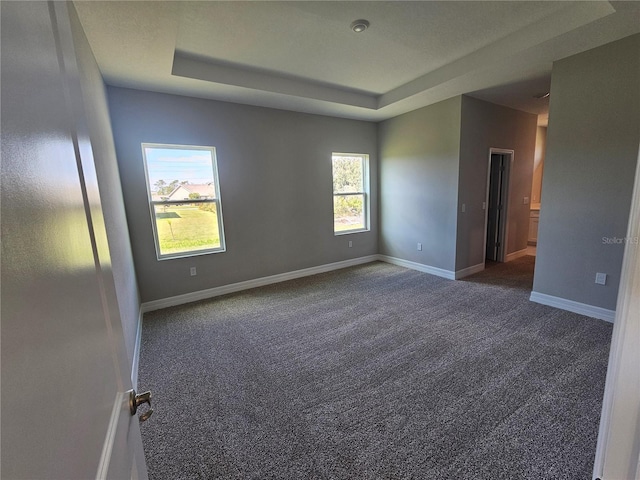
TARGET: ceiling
(303,55)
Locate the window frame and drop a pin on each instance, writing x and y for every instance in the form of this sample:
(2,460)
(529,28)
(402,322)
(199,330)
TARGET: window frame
(152,203)
(364,193)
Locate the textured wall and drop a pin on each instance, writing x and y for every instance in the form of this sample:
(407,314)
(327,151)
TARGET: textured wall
(275,182)
(63,358)
(592,152)
(419,155)
(108,177)
(486,125)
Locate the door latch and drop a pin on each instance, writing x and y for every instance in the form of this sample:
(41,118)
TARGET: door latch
(136,400)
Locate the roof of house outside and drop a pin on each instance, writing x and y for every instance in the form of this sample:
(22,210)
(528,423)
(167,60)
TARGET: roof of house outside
(204,190)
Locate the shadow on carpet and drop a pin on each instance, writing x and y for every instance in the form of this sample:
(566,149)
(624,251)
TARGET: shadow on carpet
(374,372)
(517,274)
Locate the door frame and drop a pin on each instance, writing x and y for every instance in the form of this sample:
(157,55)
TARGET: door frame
(617,453)
(503,234)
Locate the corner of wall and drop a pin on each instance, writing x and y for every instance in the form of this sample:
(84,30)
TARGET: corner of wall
(591,154)
(419,154)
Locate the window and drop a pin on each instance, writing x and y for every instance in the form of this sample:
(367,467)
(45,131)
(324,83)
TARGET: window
(350,193)
(184,200)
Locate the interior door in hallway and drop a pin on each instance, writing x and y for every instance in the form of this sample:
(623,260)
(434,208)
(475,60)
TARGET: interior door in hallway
(495,210)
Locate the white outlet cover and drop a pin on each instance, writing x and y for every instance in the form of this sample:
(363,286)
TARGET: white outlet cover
(419,247)
(601,278)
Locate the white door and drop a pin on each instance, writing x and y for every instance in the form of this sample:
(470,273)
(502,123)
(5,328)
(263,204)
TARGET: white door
(65,375)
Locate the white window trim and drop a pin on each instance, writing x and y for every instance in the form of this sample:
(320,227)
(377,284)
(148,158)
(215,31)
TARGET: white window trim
(365,193)
(217,201)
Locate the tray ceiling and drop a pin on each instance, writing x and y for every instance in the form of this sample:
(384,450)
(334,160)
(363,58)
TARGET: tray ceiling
(303,56)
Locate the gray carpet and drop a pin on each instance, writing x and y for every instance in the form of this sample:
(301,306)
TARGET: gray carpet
(375,372)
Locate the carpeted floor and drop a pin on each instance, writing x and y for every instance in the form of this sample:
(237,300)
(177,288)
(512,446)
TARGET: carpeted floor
(375,372)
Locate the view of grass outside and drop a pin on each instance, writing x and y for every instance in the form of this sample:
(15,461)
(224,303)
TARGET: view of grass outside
(349,173)
(348,213)
(185,228)
(184,198)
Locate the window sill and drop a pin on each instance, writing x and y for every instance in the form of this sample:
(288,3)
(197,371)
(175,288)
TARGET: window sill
(347,232)
(194,253)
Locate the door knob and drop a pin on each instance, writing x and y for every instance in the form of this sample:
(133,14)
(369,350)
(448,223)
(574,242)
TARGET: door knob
(136,400)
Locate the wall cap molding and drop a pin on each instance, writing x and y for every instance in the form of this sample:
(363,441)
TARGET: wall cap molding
(283,277)
(575,307)
(465,272)
(420,267)
(514,255)
(256,282)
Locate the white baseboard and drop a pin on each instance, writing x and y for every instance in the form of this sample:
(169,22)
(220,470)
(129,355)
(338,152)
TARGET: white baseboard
(440,272)
(136,352)
(465,272)
(514,255)
(257,282)
(575,307)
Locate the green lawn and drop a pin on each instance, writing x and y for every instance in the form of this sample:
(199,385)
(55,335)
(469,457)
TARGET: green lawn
(341,227)
(183,228)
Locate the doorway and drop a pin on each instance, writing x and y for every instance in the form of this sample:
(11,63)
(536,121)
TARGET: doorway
(497,202)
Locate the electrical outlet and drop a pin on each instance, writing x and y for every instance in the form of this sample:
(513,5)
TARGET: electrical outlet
(419,247)
(525,201)
(601,278)
(484,205)
(350,244)
(464,207)
(192,270)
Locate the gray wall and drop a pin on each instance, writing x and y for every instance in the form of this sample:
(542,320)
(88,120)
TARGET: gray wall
(419,155)
(275,183)
(486,125)
(592,151)
(120,259)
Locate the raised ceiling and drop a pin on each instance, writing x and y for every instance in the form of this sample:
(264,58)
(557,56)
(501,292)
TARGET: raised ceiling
(303,56)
